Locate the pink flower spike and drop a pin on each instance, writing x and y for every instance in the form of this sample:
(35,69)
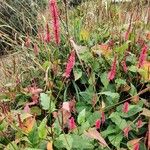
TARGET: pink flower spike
(27,108)
(70,64)
(54,13)
(112,72)
(103,118)
(143,56)
(72,124)
(98,124)
(27,41)
(125,107)
(47,37)
(139,123)
(36,49)
(123,63)
(127,34)
(136,146)
(126,131)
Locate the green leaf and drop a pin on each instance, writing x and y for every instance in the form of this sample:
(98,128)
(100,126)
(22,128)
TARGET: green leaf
(93,117)
(111,129)
(121,123)
(64,141)
(122,48)
(115,140)
(81,117)
(104,79)
(45,101)
(132,68)
(133,90)
(42,129)
(33,136)
(82,143)
(133,109)
(36,110)
(12,146)
(77,74)
(110,94)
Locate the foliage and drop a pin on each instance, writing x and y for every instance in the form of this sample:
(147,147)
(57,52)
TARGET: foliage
(57,99)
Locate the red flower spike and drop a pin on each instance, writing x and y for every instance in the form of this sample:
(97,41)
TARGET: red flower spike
(72,124)
(139,123)
(54,13)
(70,64)
(112,72)
(27,108)
(124,65)
(47,37)
(143,56)
(27,41)
(103,118)
(36,49)
(98,124)
(126,131)
(136,146)
(125,107)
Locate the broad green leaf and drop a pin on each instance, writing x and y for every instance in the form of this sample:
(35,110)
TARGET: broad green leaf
(82,143)
(81,117)
(121,123)
(122,48)
(133,90)
(110,94)
(36,110)
(132,68)
(146,112)
(64,141)
(104,79)
(42,131)
(115,140)
(77,74)
(45,101)
(33,136)
(111,129)
(93,117)
(133,109)
(11,146)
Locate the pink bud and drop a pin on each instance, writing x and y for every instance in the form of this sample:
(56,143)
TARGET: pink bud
(47,37)
(126,131)
(36,49)
(143,56)
(136,146)
(112,72)
(98,124)
(103,118)
(70,64)
(125,107)
(72,124)
(139,123)
(27,41)
(123,63)
(27,108)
